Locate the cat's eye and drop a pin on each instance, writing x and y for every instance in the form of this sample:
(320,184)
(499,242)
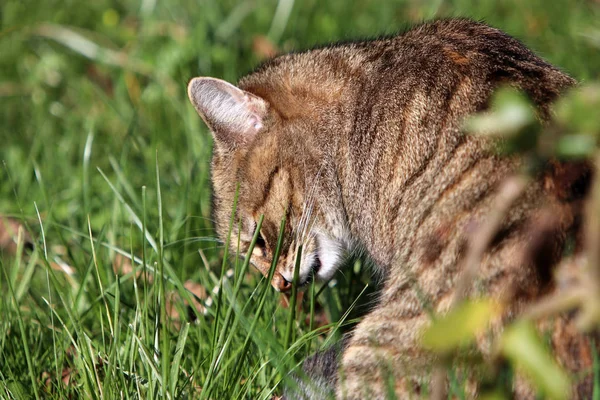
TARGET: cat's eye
(260,248)
(260,241)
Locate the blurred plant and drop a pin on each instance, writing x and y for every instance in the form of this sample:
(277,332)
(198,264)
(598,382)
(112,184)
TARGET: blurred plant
(572,134)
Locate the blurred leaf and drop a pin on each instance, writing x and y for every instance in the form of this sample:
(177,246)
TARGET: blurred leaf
(460,325)
(578,112)
(510,113)
(88,48)
(495,395)
(593,36)
(110,17)
(521,344)
(575,146)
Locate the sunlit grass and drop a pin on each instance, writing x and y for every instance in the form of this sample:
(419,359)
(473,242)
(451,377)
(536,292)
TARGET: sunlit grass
(105,166)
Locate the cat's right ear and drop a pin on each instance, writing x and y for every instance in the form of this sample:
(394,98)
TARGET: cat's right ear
(233,115)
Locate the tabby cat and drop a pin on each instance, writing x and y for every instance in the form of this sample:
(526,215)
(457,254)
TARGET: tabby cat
(359,145)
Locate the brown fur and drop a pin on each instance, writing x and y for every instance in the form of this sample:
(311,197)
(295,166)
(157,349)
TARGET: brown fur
(360,144)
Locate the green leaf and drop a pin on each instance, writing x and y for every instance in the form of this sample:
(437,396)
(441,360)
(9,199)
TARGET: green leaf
(576,146)
(522,346)
(510,114)
(459,327)
(495,395)
(577,111)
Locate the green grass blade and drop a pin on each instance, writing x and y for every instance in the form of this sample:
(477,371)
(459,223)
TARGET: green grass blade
(21,323)
(292,315)
(179,351)
(227,333)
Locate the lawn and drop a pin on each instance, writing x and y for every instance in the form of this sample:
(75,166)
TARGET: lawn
(116,286)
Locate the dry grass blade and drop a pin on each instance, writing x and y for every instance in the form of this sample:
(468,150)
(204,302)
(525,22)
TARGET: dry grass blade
(263,47)
(9,231)
(198,292)
(510,191)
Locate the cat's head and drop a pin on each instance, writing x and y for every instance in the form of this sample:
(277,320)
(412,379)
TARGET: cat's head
(276,169)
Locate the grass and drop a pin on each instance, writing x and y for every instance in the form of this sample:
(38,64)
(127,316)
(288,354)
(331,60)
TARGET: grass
(105,166)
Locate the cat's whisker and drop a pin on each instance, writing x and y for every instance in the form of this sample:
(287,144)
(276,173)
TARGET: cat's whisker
(308,207)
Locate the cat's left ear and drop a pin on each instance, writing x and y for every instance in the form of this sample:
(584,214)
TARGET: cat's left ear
(233,115)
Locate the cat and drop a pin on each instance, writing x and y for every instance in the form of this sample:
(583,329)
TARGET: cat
(360,145)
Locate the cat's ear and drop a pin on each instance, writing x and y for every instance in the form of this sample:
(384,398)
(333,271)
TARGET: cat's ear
(233,115)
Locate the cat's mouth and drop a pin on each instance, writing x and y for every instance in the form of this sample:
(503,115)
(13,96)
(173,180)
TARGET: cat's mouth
(320,265)
(324,261)
(314,271)
(312,274)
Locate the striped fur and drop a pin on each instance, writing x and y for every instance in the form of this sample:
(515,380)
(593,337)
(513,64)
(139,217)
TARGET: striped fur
(360,145)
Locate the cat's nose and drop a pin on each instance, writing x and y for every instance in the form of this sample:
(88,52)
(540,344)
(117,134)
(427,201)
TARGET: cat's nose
(281,284)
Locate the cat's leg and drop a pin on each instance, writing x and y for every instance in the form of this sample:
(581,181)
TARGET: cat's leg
(384,356)
(319,375)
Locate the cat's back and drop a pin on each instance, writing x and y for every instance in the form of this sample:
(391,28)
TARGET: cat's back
(387,114)
(429,55)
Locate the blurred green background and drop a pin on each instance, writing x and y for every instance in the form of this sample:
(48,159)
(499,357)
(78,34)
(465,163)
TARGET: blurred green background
(116,72)
(93,102)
